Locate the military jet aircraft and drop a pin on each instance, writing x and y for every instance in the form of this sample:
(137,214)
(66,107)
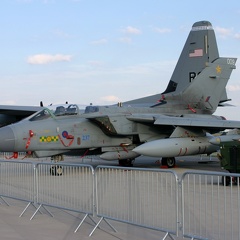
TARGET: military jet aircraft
(177,122)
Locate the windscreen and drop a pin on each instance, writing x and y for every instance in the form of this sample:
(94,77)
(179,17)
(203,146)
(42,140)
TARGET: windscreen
(56,111)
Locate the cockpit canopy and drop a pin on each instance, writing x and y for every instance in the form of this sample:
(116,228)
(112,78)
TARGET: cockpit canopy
(55,111)
(91,109)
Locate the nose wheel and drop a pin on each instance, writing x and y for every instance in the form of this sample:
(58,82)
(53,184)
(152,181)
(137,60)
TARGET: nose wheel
(56,170)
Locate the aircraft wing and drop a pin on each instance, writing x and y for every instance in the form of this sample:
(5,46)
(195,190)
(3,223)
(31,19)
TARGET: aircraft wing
(11,114)
(23,111)
(201,122)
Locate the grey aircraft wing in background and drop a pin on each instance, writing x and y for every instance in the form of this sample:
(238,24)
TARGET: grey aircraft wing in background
(177,122)
(10,113)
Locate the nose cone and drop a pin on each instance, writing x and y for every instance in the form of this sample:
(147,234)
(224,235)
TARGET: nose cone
(148,149)
(7,139)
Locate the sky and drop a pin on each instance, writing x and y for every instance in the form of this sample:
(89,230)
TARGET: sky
(105,51)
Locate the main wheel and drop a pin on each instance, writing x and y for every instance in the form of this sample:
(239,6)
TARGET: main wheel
(226,180)
(169,162)
(126,162)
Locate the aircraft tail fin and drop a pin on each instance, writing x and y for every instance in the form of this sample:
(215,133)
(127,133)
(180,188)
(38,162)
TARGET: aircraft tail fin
(200,48)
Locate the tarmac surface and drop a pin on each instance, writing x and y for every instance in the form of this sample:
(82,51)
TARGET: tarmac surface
(62,227)
(64,223)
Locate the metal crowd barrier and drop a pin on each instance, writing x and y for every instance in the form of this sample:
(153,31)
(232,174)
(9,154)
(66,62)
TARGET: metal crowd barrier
(142,197)
(17,180)
(66,186)
(210,205)
(201,205)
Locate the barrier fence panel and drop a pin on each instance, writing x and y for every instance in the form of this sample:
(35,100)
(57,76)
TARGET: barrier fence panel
(17,180)
(67,186)
(211,210)
(142,197)
(207,207)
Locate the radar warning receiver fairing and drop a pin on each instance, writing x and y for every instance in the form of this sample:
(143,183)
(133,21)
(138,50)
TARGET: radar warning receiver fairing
(177,122)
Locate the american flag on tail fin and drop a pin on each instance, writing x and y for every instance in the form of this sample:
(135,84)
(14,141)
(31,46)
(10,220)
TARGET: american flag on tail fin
(196,53)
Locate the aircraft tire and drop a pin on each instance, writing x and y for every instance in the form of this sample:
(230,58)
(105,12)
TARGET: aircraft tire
(169,162)
(126,162)
(56,170)
(226,180)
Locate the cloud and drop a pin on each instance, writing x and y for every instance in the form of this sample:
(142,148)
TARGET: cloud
(31,1)
(131,30)
(96,63)
(224,32)
(162,30)
(110,98)
(237,35)
(24,1)
(48,58)
(61,34)
(99,42)
(125,40)
(233,88)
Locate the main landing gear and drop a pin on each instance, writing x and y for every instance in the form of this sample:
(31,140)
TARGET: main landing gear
(170,162)
(126,162)
(56,170)
(227,180)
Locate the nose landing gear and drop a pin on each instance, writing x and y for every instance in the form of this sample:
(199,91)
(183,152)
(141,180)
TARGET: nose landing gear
(56,170)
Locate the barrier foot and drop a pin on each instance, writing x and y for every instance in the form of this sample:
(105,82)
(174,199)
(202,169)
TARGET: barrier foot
(25,209)
(80,224)
(48,211)
(110,225)
(92,219)
(5,201)
(97,225)
(168,235)
(38,210)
